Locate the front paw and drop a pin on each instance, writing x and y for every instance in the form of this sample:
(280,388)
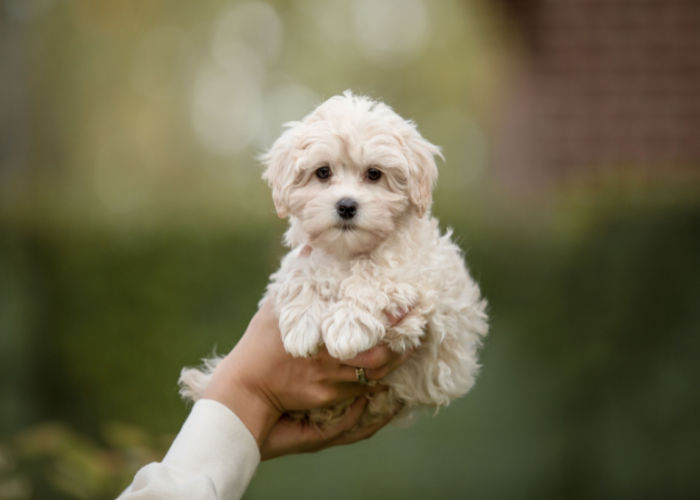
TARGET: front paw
(348,332)
(301,335)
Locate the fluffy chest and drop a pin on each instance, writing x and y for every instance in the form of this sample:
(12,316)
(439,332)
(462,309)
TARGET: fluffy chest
(332,280)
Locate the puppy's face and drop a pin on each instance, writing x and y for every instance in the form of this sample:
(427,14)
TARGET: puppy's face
(349,173)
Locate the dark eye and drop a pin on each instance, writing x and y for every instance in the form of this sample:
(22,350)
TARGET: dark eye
(323,173)
(373,174)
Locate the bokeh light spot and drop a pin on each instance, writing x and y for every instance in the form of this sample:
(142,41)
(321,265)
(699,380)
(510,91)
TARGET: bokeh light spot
(391,32)
(227,103)
(253,24)
(284,103)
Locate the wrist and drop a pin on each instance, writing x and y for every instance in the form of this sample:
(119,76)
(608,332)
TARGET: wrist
(250,404)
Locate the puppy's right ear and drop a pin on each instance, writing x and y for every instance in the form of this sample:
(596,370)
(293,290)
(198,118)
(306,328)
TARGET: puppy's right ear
(280,168)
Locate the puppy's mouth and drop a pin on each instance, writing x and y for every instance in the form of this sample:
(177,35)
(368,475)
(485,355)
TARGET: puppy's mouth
(346,226)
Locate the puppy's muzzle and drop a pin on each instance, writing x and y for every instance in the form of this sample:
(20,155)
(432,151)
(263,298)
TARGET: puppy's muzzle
(346,208)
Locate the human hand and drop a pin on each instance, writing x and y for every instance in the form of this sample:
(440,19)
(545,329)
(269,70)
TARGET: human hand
(290,436)
(260,381)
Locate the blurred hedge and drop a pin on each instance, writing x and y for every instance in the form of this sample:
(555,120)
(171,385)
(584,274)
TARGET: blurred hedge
(587,388)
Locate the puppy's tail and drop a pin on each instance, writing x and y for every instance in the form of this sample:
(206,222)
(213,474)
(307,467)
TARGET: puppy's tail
(193,381)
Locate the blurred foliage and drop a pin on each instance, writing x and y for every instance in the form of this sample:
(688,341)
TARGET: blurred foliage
(134,240)
(63,462)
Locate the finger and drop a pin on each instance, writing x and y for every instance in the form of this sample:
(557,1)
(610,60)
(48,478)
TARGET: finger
(344,373)
(345,391)
(324,358)
(349,419)
(372,359)
(349,373)
(385,370)
(359,433)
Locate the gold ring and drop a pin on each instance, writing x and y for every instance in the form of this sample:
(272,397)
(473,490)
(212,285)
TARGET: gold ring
(361,376)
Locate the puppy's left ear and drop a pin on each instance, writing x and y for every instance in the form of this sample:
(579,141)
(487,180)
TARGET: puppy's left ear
(280,171)
(422,169)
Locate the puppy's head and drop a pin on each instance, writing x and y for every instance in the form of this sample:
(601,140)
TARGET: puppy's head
(349,172)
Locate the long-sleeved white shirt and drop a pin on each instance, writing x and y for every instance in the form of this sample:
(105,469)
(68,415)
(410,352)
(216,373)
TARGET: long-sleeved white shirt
(213,457)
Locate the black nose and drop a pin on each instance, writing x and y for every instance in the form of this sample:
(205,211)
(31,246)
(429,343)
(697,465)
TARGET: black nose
(346,208)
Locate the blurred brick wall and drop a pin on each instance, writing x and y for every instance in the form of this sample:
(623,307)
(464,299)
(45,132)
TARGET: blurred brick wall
(607,87)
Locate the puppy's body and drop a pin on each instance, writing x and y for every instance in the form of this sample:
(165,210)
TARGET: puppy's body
(344,304)
(364,250)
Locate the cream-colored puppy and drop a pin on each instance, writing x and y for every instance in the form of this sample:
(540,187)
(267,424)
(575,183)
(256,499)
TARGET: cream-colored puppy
(355,180)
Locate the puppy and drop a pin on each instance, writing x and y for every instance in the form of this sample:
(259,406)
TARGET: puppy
(355,181)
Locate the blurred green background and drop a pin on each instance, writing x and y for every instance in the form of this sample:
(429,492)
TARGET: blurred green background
(136,235)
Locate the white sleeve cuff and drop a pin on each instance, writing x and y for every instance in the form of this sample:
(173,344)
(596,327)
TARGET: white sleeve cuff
(213,457)
(215,443)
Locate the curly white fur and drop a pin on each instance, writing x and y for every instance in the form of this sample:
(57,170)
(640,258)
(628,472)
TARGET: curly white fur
(389,258)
